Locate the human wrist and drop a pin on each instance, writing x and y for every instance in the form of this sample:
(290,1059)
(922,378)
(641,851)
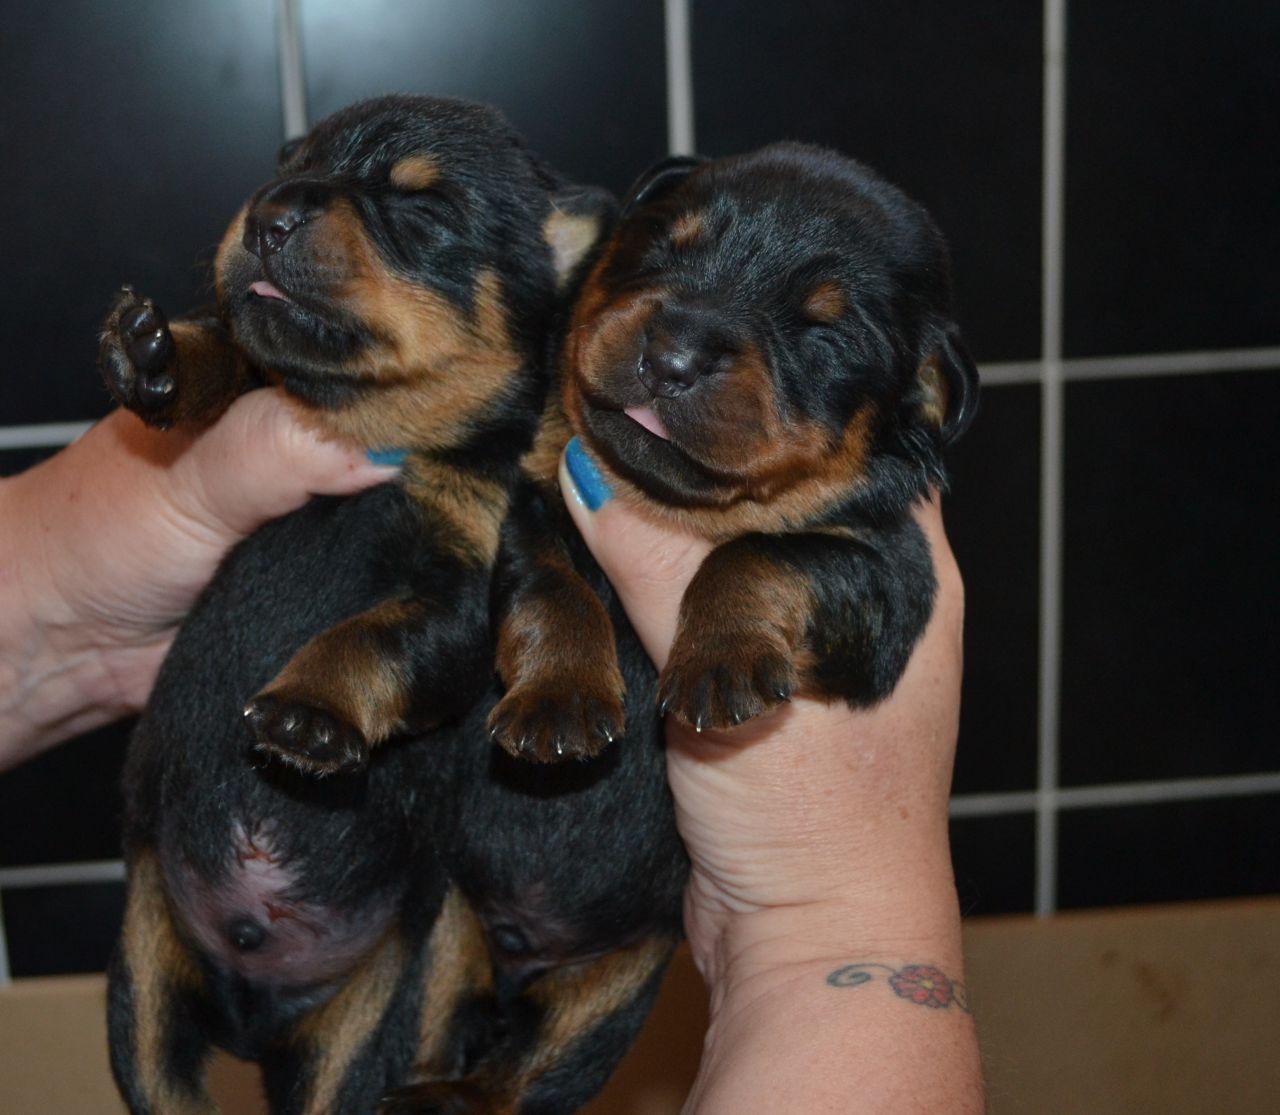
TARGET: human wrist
(55,679)
(840,1009)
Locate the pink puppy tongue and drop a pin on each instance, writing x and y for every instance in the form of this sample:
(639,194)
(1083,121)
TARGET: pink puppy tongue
(264,289)
(649,420)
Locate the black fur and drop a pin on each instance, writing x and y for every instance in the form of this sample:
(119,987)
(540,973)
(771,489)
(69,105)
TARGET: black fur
(765,354)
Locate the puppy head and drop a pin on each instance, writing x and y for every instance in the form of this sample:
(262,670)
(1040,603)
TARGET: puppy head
(406,242)
(761,333)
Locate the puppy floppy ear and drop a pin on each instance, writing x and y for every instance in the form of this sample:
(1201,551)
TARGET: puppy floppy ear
(580,218)
(659,179)
(949,386)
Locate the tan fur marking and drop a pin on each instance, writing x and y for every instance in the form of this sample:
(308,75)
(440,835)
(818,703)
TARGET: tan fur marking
(339,1028)
(432,368)
(571,237)
(231,242)
(935,395)
(458,965)
(532,647)
(159,966)
(688,228)
(542,462)
(579,998)
(825,303)
(346,669)
(472,506)
(416,172)
(733,592)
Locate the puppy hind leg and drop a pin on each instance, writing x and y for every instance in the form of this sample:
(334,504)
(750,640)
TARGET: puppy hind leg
(157,1046)
(587,1016)
(345,1054)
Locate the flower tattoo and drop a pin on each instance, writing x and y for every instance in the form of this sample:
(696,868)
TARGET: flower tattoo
(922,984)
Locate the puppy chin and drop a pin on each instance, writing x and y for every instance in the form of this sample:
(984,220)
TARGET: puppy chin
(649,459)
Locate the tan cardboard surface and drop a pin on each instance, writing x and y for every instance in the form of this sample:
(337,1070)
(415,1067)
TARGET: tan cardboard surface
(1168,1010)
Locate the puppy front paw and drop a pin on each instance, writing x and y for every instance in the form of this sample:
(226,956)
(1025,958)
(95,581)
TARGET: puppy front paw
(137,358)
(305,736)
(722,682)
(549,722)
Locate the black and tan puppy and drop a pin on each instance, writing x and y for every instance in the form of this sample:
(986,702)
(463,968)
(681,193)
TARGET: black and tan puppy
(763,354)
(400,278)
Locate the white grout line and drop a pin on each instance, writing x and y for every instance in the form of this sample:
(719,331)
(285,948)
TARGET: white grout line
(293,85)
(994,805)
(1001,374)
(62,874)
(51,435)
(680,138)
(1115,794)
(1173,363)
(1004,374)
(1051,455)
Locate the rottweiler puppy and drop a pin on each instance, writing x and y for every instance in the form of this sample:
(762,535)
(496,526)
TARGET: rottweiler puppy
(764,354)
(400,277)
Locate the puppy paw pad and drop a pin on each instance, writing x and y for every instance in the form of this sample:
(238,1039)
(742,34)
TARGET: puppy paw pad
(310,739)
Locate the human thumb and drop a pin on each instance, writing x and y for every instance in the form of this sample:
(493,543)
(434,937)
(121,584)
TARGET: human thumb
(649,563)
(261,460)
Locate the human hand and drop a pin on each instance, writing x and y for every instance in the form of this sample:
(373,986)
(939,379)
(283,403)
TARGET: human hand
(108,543)
(817,837)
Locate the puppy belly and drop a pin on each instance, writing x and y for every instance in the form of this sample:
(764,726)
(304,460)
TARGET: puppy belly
(256,922)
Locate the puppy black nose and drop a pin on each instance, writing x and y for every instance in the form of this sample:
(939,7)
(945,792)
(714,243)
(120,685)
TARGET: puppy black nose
(269,225)
(669,365)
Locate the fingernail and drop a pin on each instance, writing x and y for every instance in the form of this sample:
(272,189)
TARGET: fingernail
(387,458)
(587,481)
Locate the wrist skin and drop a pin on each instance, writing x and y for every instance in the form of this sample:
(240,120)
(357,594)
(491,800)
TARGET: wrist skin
(61,672)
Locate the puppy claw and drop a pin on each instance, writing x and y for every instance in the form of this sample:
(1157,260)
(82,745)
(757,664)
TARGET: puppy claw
(714,689)
(310,739)
(553,724)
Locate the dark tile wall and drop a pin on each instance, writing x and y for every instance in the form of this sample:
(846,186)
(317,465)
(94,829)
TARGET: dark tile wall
(1171,632)
(585,83)
(132,131)
(1171,852)
(943,99)
(994,860)
(55,930)
(992,516)
(65,805)
(1172,137)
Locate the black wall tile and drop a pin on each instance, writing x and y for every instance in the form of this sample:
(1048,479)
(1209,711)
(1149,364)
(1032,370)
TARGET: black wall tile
(132,131)
(1171,852)
(65,806)
(992,516)
(995,862)
(14,461)
(1171,618)
(944,100)
(62,930)
(584,83)
(1171,220)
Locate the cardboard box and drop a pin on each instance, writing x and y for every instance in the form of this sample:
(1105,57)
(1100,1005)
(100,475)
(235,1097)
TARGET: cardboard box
(1174,1010)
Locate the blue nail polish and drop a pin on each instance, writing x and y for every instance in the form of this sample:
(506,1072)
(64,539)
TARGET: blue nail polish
(390,458)
(592,487)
